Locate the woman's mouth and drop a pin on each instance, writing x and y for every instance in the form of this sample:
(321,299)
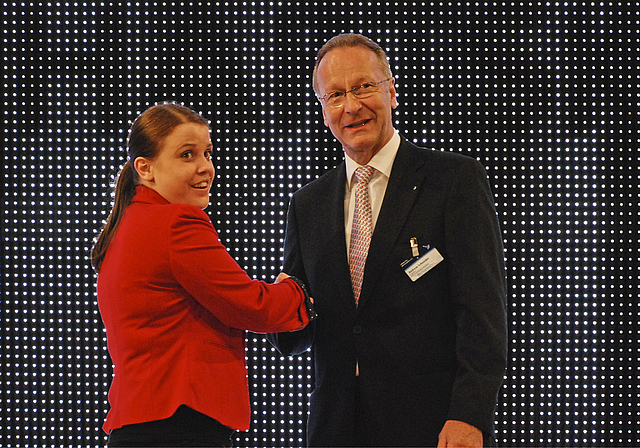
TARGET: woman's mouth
(201,185)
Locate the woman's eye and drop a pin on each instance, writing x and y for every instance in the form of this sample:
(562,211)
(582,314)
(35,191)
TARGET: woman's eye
(186,155)
(208,154)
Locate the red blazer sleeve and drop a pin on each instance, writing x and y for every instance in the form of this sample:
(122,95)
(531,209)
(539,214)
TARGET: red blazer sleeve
(204,268)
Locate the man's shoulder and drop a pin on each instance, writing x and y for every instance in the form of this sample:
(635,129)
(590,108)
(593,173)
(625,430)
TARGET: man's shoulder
(436,153)
(439,160)
(325,183)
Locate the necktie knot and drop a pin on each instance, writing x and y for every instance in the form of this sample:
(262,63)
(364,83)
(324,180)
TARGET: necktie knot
(364,173)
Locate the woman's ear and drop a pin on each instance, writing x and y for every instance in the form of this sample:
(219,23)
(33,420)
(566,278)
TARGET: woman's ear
(144,167)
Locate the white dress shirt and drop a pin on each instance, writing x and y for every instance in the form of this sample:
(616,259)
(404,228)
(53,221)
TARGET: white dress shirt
(382,162)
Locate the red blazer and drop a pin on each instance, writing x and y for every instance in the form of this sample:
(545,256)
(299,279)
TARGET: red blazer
(176,306)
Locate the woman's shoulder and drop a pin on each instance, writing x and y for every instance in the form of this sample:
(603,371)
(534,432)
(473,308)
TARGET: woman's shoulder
(186,212)
(149,203)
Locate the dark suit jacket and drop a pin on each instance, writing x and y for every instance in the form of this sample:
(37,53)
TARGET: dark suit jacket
(176,306)
(429,350)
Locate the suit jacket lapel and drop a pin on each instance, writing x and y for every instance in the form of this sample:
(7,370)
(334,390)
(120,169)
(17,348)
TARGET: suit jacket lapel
(334,214)
(402,190)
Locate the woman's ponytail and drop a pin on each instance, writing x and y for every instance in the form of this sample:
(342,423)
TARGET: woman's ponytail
(124,191)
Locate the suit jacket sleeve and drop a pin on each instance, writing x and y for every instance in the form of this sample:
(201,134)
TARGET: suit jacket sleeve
(297,342)
(478,292)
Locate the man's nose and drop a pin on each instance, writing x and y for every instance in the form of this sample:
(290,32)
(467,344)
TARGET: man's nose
(351,103)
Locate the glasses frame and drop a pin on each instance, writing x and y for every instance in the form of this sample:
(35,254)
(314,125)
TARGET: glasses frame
(343,93)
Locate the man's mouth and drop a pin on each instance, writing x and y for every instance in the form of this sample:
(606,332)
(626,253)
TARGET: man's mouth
(358,124)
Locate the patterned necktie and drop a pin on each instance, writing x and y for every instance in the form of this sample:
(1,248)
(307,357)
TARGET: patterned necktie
(361,229)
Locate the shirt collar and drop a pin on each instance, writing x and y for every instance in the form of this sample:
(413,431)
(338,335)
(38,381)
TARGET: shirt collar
(382,161)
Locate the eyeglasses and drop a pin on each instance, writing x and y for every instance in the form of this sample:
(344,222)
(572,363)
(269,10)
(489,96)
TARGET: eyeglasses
(336,98)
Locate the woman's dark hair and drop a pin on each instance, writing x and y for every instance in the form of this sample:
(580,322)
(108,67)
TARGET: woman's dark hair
(146,136)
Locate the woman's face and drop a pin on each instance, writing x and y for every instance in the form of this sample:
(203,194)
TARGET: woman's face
(183,172)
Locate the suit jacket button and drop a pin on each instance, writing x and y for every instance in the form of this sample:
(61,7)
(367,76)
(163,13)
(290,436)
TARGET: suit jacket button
(357,329)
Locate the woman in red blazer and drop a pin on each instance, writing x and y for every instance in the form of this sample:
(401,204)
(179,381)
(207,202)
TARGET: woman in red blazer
(174,303)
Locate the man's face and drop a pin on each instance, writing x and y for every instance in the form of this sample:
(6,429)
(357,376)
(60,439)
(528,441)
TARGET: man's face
(364,125)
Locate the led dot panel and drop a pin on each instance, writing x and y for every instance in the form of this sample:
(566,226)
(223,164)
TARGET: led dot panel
(544,93)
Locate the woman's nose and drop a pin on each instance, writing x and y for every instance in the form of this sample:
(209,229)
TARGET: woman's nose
(206,165)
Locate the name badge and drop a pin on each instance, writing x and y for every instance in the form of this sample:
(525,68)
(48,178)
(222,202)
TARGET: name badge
(423,264)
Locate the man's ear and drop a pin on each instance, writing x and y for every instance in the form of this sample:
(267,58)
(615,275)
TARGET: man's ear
(393,93)
(324,117)
(144,167)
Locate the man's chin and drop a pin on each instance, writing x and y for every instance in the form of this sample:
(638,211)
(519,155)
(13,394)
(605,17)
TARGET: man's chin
(361,151)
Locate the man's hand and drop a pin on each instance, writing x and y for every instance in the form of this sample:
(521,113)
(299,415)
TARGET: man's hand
(459,434)
(281,276)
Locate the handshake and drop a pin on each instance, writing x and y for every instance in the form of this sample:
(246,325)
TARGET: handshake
(308,299)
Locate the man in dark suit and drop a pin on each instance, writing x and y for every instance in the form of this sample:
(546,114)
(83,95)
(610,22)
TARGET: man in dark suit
(412,352)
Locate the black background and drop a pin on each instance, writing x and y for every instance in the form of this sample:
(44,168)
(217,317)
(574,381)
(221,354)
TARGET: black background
(544,94)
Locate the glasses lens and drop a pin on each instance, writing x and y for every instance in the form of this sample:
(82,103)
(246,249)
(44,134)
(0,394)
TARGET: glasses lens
(334,98)
(365,90)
